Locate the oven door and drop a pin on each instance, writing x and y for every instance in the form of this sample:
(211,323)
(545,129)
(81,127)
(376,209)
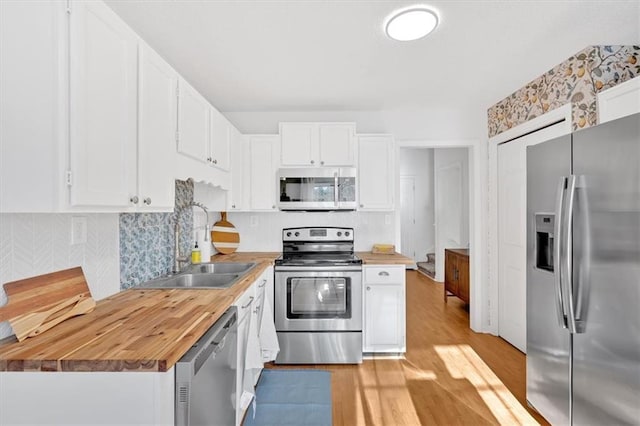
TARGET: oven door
(318,299)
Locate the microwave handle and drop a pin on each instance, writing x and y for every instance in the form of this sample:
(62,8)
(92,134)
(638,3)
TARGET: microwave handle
(335,188)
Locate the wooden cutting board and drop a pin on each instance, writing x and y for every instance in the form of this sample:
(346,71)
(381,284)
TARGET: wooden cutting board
(38,303)
(224,236)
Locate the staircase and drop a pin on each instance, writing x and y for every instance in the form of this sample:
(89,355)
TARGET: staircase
(429,267)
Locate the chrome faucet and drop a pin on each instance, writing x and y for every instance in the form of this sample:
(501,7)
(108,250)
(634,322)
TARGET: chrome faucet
(178,260)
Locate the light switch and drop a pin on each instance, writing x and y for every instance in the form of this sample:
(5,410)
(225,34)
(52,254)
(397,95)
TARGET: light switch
(78,230)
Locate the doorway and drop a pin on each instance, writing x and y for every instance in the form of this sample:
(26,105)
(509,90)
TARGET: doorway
(434,204)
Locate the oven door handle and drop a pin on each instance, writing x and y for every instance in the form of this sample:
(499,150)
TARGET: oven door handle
(346,268)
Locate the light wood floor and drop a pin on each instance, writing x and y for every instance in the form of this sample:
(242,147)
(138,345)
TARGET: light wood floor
(450,376)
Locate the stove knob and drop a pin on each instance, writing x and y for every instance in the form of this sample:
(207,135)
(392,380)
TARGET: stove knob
(297,234)
(288,234)
(340,234)
(346,234)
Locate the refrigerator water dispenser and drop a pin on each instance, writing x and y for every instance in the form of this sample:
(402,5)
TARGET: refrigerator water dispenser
(544,241)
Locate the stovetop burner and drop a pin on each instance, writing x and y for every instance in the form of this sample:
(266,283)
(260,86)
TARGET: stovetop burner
(317,246)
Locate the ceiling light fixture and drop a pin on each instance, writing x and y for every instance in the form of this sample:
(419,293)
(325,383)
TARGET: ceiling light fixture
(411,24)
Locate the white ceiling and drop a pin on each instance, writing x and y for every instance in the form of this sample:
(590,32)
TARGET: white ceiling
(267,55)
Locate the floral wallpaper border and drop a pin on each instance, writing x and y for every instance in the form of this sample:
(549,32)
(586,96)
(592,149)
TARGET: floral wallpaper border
(576,80)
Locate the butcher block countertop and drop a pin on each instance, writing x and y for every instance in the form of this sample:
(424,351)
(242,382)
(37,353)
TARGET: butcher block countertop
(369,258)
(134,330)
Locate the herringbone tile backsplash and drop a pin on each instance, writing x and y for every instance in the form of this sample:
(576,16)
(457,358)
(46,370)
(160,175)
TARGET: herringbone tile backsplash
(35,244)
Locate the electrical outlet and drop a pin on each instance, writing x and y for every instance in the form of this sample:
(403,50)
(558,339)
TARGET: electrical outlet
(78,230)
(253,221)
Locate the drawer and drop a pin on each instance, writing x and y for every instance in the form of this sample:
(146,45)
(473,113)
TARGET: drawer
(246,302)
(384,274)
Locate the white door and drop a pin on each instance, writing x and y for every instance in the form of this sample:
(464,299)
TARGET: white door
(336,144)
(262,172)
(220,140)
(103,84)
(298,142)
(375,172)
(408,216)
(384,317)
(156,132)
(512,250)
(193,123)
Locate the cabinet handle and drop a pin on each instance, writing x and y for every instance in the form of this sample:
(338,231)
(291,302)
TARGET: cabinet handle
(134,199)
(248,303)
(209,159)
(313,162)
(257,309)
(361,205)
(368,288)
(322,163)
(383,274)
(215,161)
(264,282)
(233,206)
(273,206)
(147,201)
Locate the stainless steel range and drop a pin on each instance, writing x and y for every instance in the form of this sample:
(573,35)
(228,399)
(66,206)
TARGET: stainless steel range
(318,297)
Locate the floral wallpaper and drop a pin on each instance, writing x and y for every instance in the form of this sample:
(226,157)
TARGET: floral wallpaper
(147,240)
(576,80)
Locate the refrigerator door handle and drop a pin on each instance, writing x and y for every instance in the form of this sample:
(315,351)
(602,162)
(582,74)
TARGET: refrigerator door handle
(557,250)
(568,260)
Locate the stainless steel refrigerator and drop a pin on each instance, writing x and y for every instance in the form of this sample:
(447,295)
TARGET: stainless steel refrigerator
(583,276)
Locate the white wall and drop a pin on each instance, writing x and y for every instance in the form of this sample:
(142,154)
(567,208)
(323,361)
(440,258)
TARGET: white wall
(263,231)
(452,224)
(418,164)
(405,124)
(36,244)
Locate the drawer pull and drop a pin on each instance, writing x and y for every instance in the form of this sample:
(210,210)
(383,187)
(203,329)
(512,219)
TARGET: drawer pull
(264,282)
(383,273)
(248,303)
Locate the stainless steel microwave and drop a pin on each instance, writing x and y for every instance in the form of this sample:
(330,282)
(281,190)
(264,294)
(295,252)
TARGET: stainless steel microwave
(320,188)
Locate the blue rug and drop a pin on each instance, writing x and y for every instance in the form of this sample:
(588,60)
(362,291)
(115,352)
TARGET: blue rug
(292,397)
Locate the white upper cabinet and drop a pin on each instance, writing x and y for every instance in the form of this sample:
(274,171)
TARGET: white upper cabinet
(376,172)
(33,106)
(219,141)
(263,163)
(157,125)
(193,123)
(317,144)
(235,198)
(103,91)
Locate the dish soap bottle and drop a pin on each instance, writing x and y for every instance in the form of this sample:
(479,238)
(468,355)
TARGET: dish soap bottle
(196,255)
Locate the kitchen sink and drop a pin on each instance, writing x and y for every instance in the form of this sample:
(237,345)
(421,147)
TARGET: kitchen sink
(198,280)
(220,268)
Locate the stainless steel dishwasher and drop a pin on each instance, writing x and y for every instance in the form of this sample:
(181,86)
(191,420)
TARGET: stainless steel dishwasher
(206,376)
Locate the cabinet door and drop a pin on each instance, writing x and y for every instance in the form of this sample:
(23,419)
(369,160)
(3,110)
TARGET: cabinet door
(299,144)
(375,172)
(193,123)
(103,89)
(220,140)
(237,151)
(157,125)
(463,278)
(262,172)
(450,265)
(336,142)
(384,322)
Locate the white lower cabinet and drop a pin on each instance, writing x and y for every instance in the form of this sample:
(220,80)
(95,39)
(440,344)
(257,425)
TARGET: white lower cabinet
(384,309)
(86,398)
(250,309)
